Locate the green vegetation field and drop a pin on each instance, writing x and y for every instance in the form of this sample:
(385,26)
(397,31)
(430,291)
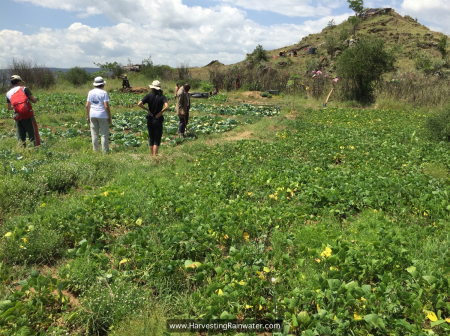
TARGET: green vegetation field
(334,220)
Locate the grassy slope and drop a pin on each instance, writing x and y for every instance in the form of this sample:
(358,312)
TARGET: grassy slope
(318,147)
(409,33)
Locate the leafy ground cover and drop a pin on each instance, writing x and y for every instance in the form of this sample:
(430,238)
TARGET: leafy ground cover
(336,223)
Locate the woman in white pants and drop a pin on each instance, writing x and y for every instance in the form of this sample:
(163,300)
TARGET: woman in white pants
(99,114)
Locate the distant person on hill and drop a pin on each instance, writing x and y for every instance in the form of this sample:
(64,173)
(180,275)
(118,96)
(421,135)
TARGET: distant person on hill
(295,53)
(182,107)
(99,114)
(18,99)
(125,82)
(238,81)
(157,105)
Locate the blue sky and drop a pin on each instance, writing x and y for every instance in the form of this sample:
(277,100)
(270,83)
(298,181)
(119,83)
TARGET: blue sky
(66,33)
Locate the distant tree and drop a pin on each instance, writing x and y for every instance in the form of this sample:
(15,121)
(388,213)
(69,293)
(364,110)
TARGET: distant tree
(442,46)
(36,76)
(357,6)
(331,24)
(77,76)
(114,70)
(258,55)
(361,68)
(344,34)
(354,21)
(331,43)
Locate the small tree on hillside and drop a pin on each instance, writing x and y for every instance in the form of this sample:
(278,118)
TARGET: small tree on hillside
(331,43)
(442,46)
(357,6)
(354,21)
(258,55)
(361,68)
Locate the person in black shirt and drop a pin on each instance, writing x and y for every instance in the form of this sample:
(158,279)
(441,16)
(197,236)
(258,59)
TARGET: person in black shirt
(125,82)
(157,104)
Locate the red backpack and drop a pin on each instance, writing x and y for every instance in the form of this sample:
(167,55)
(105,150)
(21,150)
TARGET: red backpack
(21,105)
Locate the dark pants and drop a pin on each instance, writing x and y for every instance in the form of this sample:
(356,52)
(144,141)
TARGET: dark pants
(155,130)
(183,123)
(28,126)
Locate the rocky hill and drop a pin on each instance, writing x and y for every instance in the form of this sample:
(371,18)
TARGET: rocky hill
(403,31)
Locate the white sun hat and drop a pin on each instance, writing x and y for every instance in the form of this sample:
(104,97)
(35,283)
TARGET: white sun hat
(98,81)
(155,85)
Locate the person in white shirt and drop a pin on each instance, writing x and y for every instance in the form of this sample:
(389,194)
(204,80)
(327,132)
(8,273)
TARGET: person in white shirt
(99,114)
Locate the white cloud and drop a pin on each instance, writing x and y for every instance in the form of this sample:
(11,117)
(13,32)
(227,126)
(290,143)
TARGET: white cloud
(299,8)
(436,11)
(176,34)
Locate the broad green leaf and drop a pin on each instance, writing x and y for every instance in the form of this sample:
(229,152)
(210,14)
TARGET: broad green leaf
(294,321)
(411,269)
(430,279)
(374,321)
(435,323)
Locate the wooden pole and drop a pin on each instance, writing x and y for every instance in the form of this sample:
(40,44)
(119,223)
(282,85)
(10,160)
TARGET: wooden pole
(329,95)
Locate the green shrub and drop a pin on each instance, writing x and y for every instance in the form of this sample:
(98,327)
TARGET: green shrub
(438,125)
(60,176)
(152,72)
(107,304)
(81,273)
(312,64)
(258,55)
(194,83)
(331,43)
(344,34)
(30,244)
(360,68)
(19,193)
(442,46)
(266,94)
(423,62)
(207,87)
(77,76)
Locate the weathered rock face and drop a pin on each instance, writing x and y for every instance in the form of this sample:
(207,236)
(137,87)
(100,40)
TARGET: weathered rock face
(268,71)
(302,46)
(376,30)
(409,18)
(427,45)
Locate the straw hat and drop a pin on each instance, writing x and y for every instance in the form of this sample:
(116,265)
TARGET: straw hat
(155,85)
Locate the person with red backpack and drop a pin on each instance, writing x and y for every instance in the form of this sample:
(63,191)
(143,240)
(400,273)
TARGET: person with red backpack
(18,99)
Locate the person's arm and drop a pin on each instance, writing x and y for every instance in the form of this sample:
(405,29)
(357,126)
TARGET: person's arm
(88,109)
(30,96)
(165,108)
(32,99)
(9,106)
(108,111)
(142,106)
